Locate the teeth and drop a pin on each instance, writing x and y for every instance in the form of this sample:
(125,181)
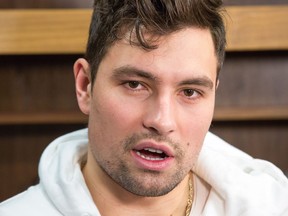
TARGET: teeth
(149,158)
(153,150)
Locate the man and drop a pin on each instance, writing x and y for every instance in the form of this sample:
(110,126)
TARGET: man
(148,84)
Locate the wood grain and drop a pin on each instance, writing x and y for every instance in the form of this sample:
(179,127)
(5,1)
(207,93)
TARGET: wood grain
(64,31)
(50,31)
(257,28)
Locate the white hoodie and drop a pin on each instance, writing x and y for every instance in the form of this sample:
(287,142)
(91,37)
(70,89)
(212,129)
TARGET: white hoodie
(238,184)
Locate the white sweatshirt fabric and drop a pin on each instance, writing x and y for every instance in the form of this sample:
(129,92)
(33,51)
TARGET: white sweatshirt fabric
(239,185)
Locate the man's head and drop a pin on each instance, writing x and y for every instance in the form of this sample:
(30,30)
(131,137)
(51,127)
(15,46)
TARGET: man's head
(113,20)
(152,101)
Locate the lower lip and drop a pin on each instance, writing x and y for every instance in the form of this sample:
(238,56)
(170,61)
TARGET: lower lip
(155,165)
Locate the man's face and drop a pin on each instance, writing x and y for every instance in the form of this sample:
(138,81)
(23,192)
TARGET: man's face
(149,111)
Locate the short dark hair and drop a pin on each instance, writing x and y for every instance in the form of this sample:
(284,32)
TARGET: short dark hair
(111,19)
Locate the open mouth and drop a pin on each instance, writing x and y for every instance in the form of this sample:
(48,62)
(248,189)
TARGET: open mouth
(152,154)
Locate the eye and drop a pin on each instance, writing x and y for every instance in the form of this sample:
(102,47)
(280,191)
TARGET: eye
(134,85)
(191,93)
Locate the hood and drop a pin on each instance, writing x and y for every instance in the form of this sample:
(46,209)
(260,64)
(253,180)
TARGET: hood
(241,185)
(61,177)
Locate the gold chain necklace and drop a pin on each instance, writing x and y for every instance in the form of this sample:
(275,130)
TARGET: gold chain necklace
(190,197)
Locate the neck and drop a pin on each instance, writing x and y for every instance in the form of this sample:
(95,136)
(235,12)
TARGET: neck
(106,193)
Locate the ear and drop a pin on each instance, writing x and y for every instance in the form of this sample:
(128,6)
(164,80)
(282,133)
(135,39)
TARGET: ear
(83,84)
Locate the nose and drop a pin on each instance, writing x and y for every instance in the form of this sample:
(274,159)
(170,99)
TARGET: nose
(159,117)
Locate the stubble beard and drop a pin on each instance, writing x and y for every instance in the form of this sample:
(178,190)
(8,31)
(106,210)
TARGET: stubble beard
(146,183)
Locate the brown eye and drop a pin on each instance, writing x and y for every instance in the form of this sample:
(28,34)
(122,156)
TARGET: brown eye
(133,84)
(189,92)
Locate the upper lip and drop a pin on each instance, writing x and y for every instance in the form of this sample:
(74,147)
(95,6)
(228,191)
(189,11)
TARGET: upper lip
(156,146)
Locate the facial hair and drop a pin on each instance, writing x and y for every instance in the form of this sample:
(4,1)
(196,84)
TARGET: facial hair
(147,183)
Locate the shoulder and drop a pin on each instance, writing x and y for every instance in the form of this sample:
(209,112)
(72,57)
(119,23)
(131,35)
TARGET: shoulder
(228,156)
(32,202)
(241,182)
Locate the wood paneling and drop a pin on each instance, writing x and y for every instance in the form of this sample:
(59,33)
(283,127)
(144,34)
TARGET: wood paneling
(254,2)
(254,79)
(257,28)
(37,84)
(43,31)
(251,114)
(20,149)
(20,4)
(37,4)
(65,31)
(265,139)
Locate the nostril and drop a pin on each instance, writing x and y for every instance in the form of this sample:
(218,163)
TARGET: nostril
(152,129)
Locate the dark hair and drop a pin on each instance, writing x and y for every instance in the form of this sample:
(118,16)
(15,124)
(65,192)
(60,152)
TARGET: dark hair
(112,19)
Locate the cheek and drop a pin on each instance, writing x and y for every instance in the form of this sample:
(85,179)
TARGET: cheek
(118,114)
(196,125)
(198,120)
(112,118)
(195,136)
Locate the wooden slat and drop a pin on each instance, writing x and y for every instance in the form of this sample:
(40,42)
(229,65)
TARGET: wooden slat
(51,31)
(257,28)
(64,31)
(251,114)
(43,118)
(221,114)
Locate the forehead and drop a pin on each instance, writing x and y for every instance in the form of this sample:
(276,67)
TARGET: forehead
(187,51)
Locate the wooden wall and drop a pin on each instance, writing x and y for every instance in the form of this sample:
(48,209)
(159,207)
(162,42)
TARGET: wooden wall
(35,91)
(253,82)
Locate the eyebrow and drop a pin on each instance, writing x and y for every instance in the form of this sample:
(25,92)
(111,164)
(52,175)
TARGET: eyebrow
(131,71)
(199,81)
